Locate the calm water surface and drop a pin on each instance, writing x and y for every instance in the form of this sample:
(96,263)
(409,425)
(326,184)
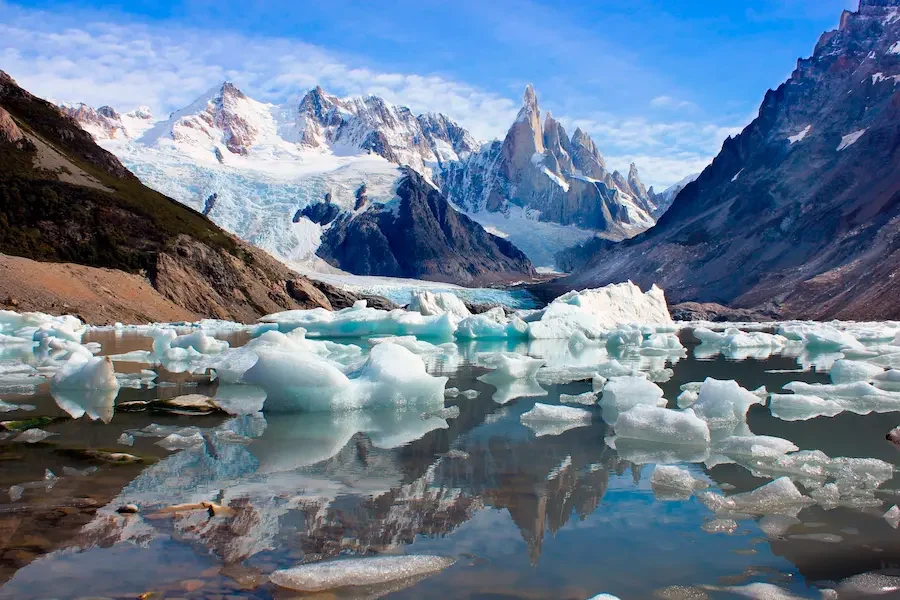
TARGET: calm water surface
(557,516)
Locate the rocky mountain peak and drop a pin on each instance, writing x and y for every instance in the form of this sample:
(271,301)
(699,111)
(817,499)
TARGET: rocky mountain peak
(109,112)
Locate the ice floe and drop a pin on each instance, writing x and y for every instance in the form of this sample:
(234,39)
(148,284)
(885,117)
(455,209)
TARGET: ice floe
(318,577)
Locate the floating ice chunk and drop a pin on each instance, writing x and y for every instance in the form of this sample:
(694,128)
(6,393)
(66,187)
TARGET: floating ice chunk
(391,377)
(33,436)
(487,326)
(126,439)
(410,343)
(662,425)
(429,304)
(587,398)
(565,374)
(755,446)
(177,441)
(547,419)
(888,380)
(728,526)
(199,341)
(868,584)
(802,407)
(772,497)
(849,371)
(470,394)
(612,368)
(598,382)
(85,372)
(723,405)
(10,407)
(686,399)
(511,366)
(858,389)
(318,577)
(361,321)
(757,591)
(674,483)
(623,393)
(604,597)
(820,336)
(892,516)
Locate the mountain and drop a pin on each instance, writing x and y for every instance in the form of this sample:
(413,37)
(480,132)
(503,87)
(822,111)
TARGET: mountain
(83,226)
(295,179)
(538,171)
(801,211)
(419,235)
(105,123)
(664,199)
(263,163)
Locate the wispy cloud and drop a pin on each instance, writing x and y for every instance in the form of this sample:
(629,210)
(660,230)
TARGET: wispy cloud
(72,58)
(672,103)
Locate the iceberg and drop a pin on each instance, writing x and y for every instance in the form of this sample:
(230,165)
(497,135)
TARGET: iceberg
(723,405)
(318,577)
(85,372)
(662,425)
(623,393)
(849,371)
(361,321)
(802,407)
(392,376)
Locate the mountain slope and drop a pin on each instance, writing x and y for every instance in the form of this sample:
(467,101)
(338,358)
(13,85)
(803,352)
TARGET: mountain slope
(801,211)
(65,199)
(419,235)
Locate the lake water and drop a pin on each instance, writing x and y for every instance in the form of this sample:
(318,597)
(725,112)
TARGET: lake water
(562,516)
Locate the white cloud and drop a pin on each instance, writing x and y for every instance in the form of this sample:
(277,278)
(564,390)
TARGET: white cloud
(67,58)
(671,103)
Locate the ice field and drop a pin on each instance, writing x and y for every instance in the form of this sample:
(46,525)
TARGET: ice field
(590,447)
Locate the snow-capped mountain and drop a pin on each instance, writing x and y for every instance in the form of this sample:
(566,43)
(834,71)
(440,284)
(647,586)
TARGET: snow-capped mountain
(801,211)
(538,173)
(264,163)
(105,123)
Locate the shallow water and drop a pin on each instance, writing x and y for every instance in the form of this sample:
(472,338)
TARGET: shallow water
(556,516)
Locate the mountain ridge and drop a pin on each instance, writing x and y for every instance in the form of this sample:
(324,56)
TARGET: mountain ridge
(800,212)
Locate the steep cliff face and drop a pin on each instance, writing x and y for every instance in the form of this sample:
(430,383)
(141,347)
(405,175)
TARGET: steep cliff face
(540,168)
(419,235)
(802,209)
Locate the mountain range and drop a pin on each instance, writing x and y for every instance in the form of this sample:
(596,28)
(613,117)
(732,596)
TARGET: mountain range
(81,234)
(800,212)
(266,164)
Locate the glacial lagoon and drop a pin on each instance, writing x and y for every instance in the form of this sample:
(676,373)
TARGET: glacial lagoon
(546,505)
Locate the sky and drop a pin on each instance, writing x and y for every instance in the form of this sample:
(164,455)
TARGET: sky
(660,83)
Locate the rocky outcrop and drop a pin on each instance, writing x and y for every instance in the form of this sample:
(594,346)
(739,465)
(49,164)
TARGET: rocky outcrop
(420,235)
(801,211)
(373,125)
(540,168)
(321,213)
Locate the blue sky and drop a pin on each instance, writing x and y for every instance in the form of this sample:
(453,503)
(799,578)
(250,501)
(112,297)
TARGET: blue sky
(659,82)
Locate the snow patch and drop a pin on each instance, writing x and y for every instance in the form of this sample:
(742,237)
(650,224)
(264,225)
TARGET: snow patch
(850,139)
(799,137)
